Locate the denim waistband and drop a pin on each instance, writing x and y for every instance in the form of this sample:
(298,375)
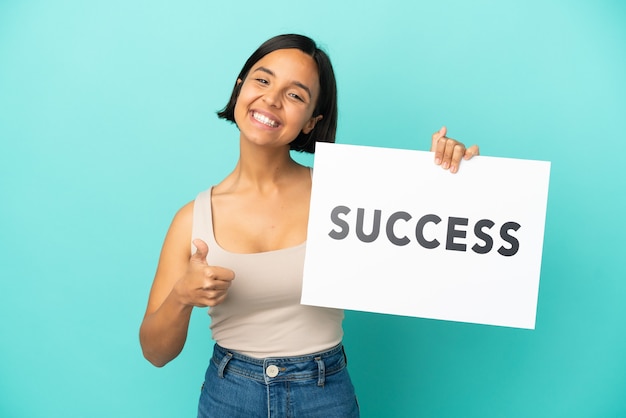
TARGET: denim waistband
(276,369)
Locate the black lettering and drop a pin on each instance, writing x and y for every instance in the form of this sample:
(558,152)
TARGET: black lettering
(360,214)
(419,231)
(391,222)
(455,233)
(482,235)
(334,217)
(504,234)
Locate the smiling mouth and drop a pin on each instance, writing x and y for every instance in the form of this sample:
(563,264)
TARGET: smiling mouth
(264,120)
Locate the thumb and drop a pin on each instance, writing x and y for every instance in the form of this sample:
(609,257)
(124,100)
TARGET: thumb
(202,250)
(436,137)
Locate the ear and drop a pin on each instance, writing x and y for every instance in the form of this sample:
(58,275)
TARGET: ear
(237,89)
(308,127)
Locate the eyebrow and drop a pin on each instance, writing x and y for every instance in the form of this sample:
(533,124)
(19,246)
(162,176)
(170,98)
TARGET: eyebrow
(297,83)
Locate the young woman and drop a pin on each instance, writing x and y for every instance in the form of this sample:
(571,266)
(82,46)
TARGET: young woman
(273,356)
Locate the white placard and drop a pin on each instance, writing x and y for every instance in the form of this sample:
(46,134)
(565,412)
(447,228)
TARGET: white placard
(391,232)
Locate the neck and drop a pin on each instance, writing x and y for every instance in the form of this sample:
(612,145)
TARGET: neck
(263,168)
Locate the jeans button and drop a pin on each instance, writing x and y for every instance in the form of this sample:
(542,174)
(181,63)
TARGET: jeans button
(272,371)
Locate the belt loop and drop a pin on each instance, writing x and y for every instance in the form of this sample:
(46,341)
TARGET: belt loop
(222,365)
(321,371)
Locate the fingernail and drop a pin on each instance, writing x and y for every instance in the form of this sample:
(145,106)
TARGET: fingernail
(445,165)
(437,161)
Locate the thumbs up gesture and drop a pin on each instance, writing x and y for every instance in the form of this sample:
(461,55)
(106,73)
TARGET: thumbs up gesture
(203,285)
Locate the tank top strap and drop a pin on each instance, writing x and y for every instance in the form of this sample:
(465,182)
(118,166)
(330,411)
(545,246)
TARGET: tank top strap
(203,220)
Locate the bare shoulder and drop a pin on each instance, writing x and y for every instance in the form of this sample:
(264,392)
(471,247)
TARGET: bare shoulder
(178,238)
(183,220)
(174,256)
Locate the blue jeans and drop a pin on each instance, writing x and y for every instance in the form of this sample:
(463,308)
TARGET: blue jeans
(315,385)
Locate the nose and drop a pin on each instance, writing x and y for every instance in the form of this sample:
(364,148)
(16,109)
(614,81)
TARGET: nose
(272,97)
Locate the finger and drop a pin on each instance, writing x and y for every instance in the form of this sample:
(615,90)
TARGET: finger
(440,150)
(457,154)
(211,297)
(441,132)
(449,146)
(214,274)
(435,139)
(218,280)
(471,152)
(223,274)
(202,250)
(214,289)
(211,302)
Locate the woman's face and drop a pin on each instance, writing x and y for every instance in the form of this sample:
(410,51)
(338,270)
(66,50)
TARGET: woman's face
(277,98)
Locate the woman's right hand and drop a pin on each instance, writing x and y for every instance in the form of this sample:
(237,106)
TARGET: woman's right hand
(182,281)
(203,285)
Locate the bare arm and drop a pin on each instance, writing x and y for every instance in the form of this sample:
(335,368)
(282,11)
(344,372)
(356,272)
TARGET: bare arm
(181,282)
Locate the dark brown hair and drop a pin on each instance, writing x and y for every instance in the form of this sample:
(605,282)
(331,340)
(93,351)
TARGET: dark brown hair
(325,129)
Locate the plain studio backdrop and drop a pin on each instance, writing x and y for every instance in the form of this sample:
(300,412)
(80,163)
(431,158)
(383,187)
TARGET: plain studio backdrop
(108,126)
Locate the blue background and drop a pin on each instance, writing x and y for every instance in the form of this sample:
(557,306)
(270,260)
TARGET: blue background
(107,127)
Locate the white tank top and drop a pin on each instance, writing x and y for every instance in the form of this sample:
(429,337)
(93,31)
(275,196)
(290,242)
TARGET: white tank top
(262,315)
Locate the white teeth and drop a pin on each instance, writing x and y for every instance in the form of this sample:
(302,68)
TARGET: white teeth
(264,119)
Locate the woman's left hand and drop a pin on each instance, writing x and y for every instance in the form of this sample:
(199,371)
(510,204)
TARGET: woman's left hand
(449,152)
